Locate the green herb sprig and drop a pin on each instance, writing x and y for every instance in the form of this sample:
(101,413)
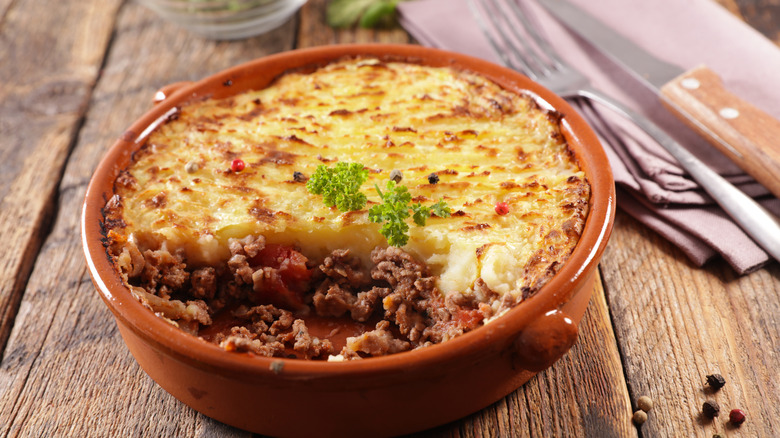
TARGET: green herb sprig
(394,210)
(340,185)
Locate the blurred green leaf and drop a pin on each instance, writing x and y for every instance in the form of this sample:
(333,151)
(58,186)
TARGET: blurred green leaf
(377,13)
(365,13)
(345,13)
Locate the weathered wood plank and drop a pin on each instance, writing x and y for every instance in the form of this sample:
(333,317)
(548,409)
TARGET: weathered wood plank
(676,323)
(762,15)
(46,77)
(64,350)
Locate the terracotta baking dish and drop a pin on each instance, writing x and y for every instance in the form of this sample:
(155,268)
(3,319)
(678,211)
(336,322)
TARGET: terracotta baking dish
(381,396)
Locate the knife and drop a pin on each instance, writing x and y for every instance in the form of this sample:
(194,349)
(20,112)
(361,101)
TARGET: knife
(747,135)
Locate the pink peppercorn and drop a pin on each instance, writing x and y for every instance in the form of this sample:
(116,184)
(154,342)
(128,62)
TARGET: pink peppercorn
(502,208)
(737,416)
(237,165)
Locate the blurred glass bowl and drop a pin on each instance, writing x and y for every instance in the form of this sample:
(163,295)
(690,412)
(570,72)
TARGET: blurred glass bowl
(225,19)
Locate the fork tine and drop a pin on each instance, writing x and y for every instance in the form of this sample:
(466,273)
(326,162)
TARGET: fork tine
(529,50)
(535,34)
(505,46)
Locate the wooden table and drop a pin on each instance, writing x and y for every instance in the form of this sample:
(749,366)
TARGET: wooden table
(74,74)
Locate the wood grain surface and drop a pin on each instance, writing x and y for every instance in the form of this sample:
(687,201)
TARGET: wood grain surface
(656,325)
(45,84)
(762,15)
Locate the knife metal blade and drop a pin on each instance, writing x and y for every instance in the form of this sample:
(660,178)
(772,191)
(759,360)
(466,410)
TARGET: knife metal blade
(747,135)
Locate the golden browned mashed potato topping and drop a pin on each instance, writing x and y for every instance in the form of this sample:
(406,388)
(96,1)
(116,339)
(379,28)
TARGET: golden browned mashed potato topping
(213,228)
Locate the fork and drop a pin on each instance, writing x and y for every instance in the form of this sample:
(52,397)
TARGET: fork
(539,61)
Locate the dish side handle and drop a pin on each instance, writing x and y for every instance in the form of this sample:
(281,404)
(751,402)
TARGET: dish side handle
(545,340)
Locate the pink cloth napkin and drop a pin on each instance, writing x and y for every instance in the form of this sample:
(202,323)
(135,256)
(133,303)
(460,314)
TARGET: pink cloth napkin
(651,186)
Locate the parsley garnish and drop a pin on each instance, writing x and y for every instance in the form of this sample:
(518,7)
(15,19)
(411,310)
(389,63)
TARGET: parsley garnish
(394,210)
(421,213)
(340,185)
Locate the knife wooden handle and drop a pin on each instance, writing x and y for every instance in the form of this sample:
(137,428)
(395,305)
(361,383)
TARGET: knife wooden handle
(747,135)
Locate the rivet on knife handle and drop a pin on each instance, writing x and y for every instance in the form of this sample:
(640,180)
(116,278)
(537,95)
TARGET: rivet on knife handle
(747,135)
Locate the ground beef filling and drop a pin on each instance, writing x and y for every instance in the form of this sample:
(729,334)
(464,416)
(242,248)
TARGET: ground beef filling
(268,298)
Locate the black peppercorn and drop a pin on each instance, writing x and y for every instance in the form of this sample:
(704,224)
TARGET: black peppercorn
(710,409)
(396,176)
(299,177)
(716,381)
(433,178)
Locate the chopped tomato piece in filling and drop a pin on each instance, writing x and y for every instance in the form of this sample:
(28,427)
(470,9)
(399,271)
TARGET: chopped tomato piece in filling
(286,278)
(468,318)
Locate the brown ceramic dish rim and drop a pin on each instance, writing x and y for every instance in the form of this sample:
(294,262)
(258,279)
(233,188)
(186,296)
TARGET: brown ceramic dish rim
(498,334)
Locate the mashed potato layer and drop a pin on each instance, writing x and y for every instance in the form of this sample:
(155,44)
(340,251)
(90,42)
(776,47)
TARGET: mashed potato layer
(517,196)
